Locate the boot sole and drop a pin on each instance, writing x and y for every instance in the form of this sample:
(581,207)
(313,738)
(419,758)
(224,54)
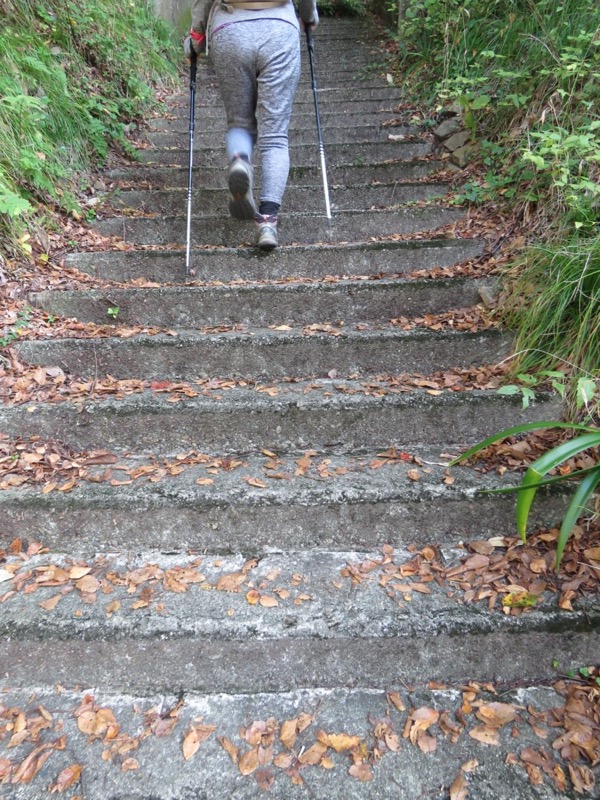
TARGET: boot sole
(241,205)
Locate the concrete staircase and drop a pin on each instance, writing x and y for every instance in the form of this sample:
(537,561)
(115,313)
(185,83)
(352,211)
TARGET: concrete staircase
(274,384)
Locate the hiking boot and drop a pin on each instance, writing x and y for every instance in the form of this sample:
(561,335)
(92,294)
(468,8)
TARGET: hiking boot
(266,231)
(241,205)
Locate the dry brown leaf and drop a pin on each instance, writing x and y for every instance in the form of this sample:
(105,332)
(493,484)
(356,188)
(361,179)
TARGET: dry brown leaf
(265,779)
(88,584)
(268,601)
(79,572)
(32,764)
(314,754)
(229,747)
(51,603)
(288,733)
(256,482)
(396,700)
(582,777)
(460,788)
(304,720)
(470,765)
(191,743)
(485,735)
(248,762)
(496,714)
(426,743)
(283,760)
(130,764)
(252,597)
(362,772)
(66,778)
(342,741)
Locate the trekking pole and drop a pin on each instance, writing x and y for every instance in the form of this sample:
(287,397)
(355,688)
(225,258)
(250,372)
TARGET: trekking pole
(311,53)
(193,65)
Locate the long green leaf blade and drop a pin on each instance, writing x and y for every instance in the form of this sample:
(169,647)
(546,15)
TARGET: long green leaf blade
(584,491)
(541,467)
(514,431)
(548,482)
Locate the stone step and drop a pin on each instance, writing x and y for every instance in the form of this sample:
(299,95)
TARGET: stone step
(296,199)
(336,503)
(290,417)
(264,304)
(340,153)
(348,94)
(404,772)
(300,110)
(307,134)
(222,231)
(158,177)
(268,353)
(167,266)
(331,122)
(333,616)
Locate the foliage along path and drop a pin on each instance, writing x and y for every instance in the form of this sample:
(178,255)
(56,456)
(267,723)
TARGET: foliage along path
(234,559)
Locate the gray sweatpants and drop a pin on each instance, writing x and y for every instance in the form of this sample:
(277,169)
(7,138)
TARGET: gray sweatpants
(258,68)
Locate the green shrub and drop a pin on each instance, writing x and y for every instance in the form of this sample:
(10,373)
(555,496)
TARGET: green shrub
(527,76)
(72,75)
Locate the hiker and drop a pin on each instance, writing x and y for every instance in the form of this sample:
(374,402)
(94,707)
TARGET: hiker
(255,49)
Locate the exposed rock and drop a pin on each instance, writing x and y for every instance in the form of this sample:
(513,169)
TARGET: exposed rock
(464,155)
(447,128)
(457,141)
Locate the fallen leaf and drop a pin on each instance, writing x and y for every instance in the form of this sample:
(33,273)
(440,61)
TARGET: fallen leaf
(256,482)
(268,601)
(460,788)
(485,735)
(51,603)
(32,764)
(283,760)
(342,741)
(191,743)
(496,714)
(66,778)
(396,700)
(229,747)
(362,772)
(314,754)
(88,584)
(426,743)
(265,779)
(130,764)
(582,777)
(248,763)
(288,733)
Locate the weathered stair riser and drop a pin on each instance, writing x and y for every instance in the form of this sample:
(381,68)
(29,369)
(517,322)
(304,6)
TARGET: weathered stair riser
(301,262)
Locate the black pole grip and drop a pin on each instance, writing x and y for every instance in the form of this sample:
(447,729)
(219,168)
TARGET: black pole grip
(310,43)
(193,67)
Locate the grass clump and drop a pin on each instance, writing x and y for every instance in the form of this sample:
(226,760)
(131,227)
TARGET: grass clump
(526,74)
(72,76)
(552,301)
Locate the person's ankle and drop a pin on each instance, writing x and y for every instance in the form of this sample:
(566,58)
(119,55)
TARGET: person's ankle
(268,208)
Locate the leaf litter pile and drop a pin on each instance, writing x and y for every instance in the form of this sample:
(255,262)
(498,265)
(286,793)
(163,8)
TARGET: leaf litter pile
(501,573)
(557,744)
(121,587)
